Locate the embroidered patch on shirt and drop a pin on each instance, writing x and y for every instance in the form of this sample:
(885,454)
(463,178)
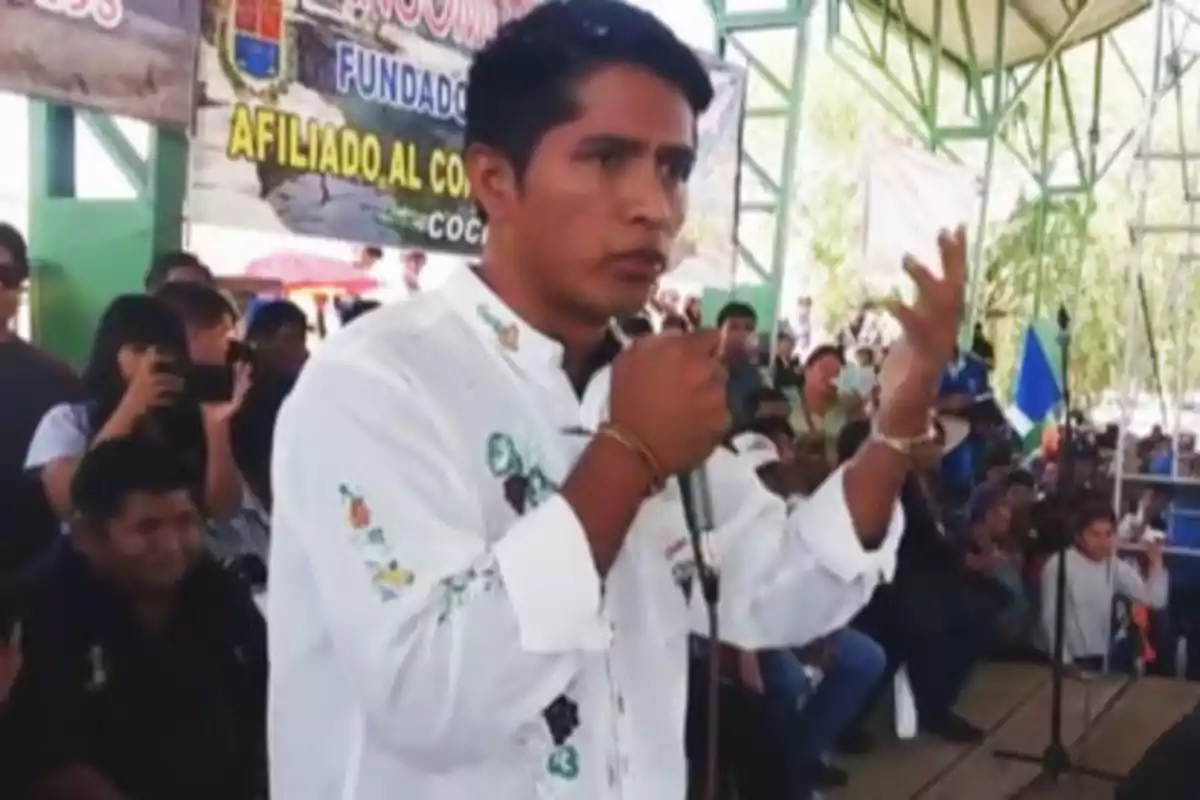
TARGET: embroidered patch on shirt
(369,539)
(509,335)
(562,718)
(525,487)
(472,582)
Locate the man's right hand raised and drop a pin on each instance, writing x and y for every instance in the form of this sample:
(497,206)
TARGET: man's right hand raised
(668,392)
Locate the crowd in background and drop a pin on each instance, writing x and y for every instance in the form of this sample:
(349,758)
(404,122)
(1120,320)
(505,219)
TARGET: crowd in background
(136,498)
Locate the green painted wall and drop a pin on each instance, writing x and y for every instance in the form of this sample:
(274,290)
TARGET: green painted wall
(84,252)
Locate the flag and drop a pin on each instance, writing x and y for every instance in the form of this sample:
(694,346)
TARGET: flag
(1039,378)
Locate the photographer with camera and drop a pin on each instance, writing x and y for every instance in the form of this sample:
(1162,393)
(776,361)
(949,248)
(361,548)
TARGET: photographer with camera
(141,381)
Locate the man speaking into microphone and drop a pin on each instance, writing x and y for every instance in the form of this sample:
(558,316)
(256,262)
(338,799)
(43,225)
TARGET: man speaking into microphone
(480,568)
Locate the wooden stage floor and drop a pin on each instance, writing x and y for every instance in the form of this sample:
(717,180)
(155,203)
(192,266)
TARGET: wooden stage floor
(1107,724)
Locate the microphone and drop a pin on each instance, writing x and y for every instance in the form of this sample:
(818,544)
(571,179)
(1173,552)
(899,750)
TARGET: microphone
(696,499)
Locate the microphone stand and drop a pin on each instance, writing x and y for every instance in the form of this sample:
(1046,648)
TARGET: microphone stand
(1055,761)
(698,514)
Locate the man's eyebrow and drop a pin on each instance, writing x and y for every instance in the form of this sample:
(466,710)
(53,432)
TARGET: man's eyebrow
(627,144)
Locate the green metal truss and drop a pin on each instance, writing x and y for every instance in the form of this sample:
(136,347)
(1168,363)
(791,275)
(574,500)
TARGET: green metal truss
(1028,114)
(86,250)
(773,113)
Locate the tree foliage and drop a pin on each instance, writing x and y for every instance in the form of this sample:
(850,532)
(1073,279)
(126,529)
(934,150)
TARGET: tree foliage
(1081,261)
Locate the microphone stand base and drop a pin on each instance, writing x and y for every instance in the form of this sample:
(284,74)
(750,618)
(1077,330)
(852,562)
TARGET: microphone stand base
(1055,762)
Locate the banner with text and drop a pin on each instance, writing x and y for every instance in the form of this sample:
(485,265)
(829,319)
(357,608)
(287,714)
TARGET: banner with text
(135,58)
(343,119)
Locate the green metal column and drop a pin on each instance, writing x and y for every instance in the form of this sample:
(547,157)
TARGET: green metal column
(86,251)
(775,97)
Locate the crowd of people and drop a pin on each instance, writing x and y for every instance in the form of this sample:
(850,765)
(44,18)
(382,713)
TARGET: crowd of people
(464,515)
(985,523)
(136,497)
(156,460)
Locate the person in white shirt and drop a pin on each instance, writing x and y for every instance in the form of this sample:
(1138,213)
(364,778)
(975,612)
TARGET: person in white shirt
(1096,577)
(481,577)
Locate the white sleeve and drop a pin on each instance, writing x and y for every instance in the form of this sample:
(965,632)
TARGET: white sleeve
(453,643)
(61,433)
(788,577)
(1128,583)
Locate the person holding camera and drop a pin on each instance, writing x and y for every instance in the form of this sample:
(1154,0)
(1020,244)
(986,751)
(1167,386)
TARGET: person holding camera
(137,383)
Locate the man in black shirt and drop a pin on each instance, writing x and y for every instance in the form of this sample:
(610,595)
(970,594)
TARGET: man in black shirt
(929,618)
(145,664)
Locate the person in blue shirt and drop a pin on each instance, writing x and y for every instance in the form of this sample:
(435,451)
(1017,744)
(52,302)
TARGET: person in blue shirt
(964,381)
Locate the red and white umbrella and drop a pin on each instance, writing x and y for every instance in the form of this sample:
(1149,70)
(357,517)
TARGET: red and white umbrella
(305,271)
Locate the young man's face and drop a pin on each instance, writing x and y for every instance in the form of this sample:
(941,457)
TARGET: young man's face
(151,544)
(823,374)
(603,196)
(739,337)
(785,347)
(1096,540)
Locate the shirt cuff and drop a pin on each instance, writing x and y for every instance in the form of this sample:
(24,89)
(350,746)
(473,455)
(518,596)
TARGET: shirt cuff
(828,532)
(551,581)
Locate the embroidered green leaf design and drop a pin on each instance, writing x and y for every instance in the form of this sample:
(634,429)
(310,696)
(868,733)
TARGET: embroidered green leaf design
(564,762)
(470,583)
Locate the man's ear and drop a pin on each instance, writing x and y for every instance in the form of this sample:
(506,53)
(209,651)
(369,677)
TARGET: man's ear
(495,184)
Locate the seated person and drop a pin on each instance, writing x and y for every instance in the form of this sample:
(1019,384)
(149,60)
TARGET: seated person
(1146,517)
(997,567)
(818,690)
(145,664)
(1096,578)
(931,617)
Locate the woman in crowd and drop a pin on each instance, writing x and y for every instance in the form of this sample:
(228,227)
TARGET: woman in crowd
(135,381)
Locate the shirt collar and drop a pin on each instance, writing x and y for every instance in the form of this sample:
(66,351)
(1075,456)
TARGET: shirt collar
(493,320)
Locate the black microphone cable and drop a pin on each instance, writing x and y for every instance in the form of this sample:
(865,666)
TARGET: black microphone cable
(697,512)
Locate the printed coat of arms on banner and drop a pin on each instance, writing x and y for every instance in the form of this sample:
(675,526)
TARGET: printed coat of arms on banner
(136,58)
(344,119)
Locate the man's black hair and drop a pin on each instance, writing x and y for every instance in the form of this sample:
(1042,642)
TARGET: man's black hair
(163,263)
(116,468)
(12,241)
(522,83)
(736,309)
(1091,507)
(636,325)
(269,318)
(197,306)
(824,351)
